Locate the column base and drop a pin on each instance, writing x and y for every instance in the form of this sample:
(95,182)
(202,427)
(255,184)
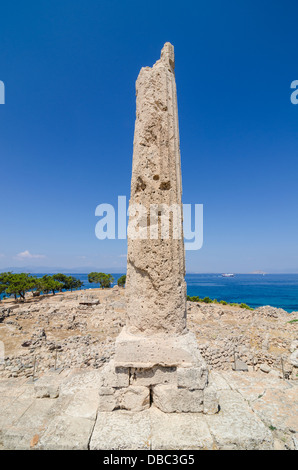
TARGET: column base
(168,371)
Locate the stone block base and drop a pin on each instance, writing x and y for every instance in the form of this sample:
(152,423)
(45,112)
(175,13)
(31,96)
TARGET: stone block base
(173,384)
(130,398)
(145,352)
(172,399)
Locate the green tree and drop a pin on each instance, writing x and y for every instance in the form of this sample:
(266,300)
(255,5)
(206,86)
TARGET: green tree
(104,280)
(72,283)
(19,284)
(76,283)
(121,281)
(62,278)
(68,282)
(4,282)
(48,284)
(3,288)
(94,277)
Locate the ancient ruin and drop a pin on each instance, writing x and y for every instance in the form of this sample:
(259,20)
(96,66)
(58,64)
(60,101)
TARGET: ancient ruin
(157,360)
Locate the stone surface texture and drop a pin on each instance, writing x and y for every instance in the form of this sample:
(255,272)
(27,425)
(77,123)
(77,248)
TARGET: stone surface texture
(257,411)
(156,289)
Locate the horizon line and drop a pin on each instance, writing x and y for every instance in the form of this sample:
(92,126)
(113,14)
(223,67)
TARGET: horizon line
(120,270)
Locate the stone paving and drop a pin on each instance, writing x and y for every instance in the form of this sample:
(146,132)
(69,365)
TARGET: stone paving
(257,411)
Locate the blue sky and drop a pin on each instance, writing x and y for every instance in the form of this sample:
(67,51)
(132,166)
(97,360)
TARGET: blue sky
(66,129)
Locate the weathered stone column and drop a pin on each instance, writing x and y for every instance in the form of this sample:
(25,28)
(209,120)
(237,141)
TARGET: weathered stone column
(156,290)
(157,360)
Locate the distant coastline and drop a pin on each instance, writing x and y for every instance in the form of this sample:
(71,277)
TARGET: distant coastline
(276,290)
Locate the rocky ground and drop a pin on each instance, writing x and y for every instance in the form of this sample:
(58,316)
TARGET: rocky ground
(78,329)
(59,344)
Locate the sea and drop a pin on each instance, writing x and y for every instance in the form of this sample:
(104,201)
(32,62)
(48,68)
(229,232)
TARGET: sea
(255,290)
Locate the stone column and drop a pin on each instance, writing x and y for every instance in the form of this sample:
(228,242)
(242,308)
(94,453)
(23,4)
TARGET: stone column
(156,290)
(157,360)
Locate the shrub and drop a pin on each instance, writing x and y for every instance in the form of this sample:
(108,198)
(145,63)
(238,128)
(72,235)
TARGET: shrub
(207,300)
(121,281)
(195,298)
(245,306)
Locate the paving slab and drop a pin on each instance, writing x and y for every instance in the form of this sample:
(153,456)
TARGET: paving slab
(66,433)
(48,386)
(176,431)
(279,409)
(122,430)
(5,403)
(236,426)
(80,380)
(218,379)
(17,439)
(11,414)
(84,406)
(12,388)
(18,433)
(255,382)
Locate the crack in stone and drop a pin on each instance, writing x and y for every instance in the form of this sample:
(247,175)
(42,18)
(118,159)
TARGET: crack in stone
(92,430)
(143,272)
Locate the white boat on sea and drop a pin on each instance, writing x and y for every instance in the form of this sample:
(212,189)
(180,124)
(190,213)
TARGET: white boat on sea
(227,275)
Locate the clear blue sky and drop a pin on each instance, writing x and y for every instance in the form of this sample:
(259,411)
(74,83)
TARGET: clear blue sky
(66,130)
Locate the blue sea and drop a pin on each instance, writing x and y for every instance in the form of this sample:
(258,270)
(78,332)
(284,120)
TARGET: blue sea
(255,290)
